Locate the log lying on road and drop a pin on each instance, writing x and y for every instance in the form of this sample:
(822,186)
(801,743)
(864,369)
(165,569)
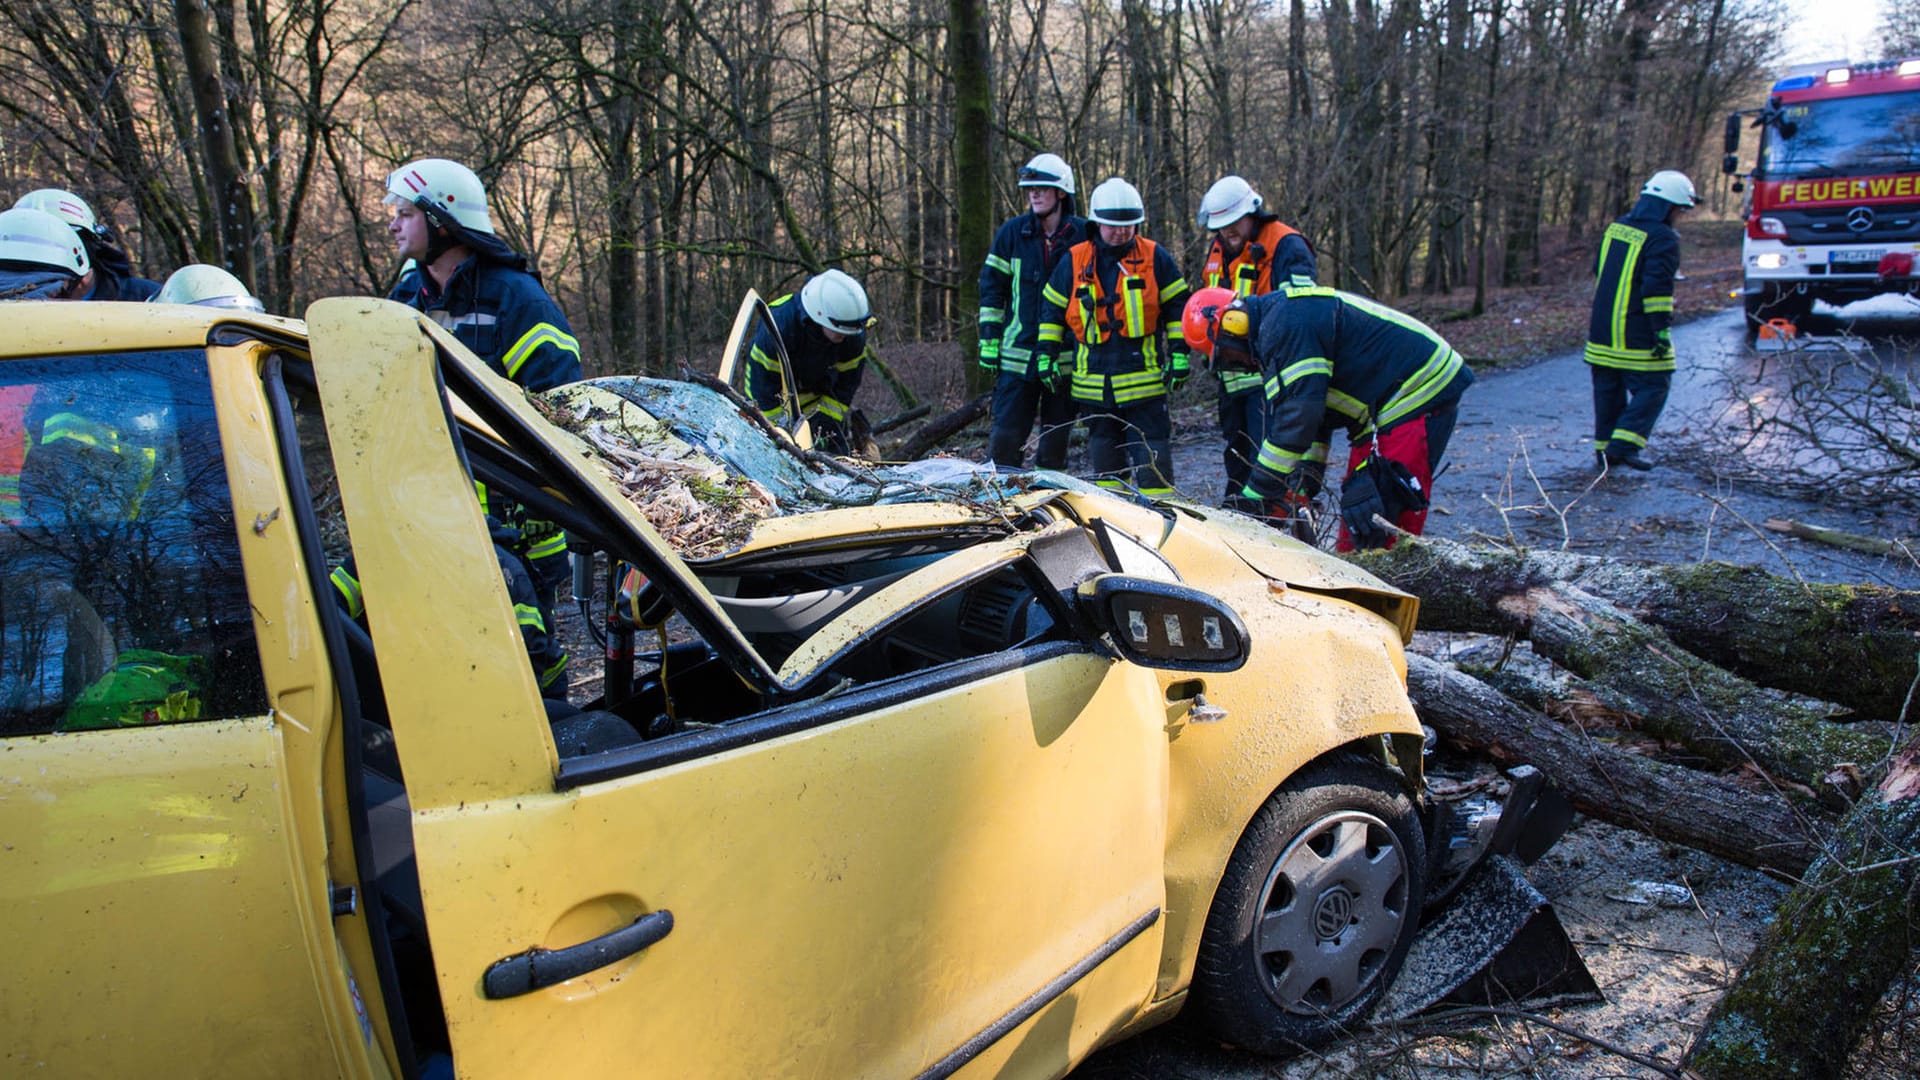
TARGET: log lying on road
(1839,940)
(1855,645)
(1633,668)
(1671,802)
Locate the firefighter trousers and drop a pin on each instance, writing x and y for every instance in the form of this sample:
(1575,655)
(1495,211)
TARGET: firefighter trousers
(1131,444)
(1243,423)
(1625,406)
(1016,402)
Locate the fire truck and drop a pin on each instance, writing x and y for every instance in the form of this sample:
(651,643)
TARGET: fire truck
(1835,209)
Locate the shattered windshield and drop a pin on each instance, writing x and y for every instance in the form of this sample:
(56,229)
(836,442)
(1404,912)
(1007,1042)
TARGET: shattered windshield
(704,472)
(1844,137)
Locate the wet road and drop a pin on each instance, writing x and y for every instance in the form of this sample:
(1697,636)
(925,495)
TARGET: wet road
(1521,468)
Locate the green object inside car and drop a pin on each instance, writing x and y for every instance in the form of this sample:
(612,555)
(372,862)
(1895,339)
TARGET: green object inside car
(143,687)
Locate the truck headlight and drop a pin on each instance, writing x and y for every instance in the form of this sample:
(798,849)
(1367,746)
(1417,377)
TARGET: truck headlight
(1772,260)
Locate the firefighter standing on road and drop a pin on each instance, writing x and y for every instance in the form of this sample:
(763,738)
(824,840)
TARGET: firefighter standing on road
(1629,343)
(824,329)
(1252,252)
(1115,294)
(1333,359)
(1022,258)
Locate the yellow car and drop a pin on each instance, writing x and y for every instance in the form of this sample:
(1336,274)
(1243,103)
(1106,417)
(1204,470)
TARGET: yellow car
(908,771)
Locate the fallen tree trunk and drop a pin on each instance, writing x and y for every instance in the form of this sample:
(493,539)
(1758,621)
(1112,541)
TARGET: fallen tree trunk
(1855,645)
(1633,668)
(939,430)
(1841,937)
(1699,810)
(1870,545)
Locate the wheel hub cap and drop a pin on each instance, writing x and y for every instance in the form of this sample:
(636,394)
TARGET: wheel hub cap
(1332,913)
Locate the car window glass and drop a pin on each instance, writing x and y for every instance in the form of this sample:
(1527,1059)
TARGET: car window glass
(122,599)
(1137,558)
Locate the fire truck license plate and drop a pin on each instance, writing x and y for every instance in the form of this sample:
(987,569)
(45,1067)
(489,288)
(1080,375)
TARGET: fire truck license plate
(1871,257)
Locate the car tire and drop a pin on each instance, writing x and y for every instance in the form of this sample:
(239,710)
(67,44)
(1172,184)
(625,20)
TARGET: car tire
(1315,912)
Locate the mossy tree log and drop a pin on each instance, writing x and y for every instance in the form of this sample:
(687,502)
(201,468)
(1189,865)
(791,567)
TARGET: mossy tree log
(1753,828)
(1841,937)
(1854,645)
(1633,668)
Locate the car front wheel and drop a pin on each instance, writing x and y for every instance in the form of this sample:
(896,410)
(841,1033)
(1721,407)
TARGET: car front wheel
(1315,911)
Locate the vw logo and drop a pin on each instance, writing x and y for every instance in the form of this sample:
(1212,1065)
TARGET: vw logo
(1860,218)
(1332,913)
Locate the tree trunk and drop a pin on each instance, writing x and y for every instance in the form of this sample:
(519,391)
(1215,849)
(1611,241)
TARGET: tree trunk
(939,430)
(1671,802)
(232,208)
(1839,940)
(972,165)
(1854,645)
(1635,669)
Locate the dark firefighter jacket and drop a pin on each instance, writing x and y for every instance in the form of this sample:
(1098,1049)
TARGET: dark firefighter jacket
(1017,269)
(1114,304)
(1275,255)
(1633,290)
(536,621)
(113,276)
(828,372)
(1332,359)
(501,312)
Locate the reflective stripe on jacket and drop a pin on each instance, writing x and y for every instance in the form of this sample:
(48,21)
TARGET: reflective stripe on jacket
(503,314)
(1116,304)
(1633,290)
(1016,271)
(1332,359)
(828,372)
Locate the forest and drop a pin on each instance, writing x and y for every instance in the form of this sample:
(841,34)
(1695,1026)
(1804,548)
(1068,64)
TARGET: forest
(655,158)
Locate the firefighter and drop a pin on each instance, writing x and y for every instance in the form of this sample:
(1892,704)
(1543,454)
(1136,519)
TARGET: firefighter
(475,285)
(40,259)
(533,612)
(200,285)
(824,330)
(112,276)
(1018,265)
(1332,359)
(1629,341)
(1252,251)
(481,290)
(1116,294)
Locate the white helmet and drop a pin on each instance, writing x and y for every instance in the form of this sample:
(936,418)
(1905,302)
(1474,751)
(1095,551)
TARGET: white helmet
(1673,186)
(836,301)
(1047,170)
(1227,201)
(35,236)
(1116,202)
(206,286)
(64,205)
(448,191)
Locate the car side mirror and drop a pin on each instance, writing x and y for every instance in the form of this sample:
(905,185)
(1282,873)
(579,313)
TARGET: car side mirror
(1158,624)
(1730,164)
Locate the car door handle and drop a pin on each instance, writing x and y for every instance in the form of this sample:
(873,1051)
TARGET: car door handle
(537,968)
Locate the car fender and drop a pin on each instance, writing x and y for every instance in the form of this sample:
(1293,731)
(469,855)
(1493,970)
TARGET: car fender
(1324,674)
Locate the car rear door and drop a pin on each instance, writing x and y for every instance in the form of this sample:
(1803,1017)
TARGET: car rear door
(954,870)
(164,900)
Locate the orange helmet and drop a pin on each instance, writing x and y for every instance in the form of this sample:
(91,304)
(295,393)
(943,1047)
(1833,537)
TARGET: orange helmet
(1201,323)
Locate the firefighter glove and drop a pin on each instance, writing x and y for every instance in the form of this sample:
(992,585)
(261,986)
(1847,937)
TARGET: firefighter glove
(1046,368)
(1178,368)
(1359,502)
(1663,344)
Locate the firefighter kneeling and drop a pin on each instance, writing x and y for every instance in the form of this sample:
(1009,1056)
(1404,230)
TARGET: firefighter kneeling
(1332,359)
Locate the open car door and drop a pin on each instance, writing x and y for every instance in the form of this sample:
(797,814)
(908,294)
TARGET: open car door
(955,869)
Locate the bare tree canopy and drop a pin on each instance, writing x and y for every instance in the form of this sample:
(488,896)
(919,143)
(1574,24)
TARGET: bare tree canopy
(656,158)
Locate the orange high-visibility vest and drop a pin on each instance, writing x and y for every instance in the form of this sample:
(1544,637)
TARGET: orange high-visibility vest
(1133,311)
(14,401)
(1249,273)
